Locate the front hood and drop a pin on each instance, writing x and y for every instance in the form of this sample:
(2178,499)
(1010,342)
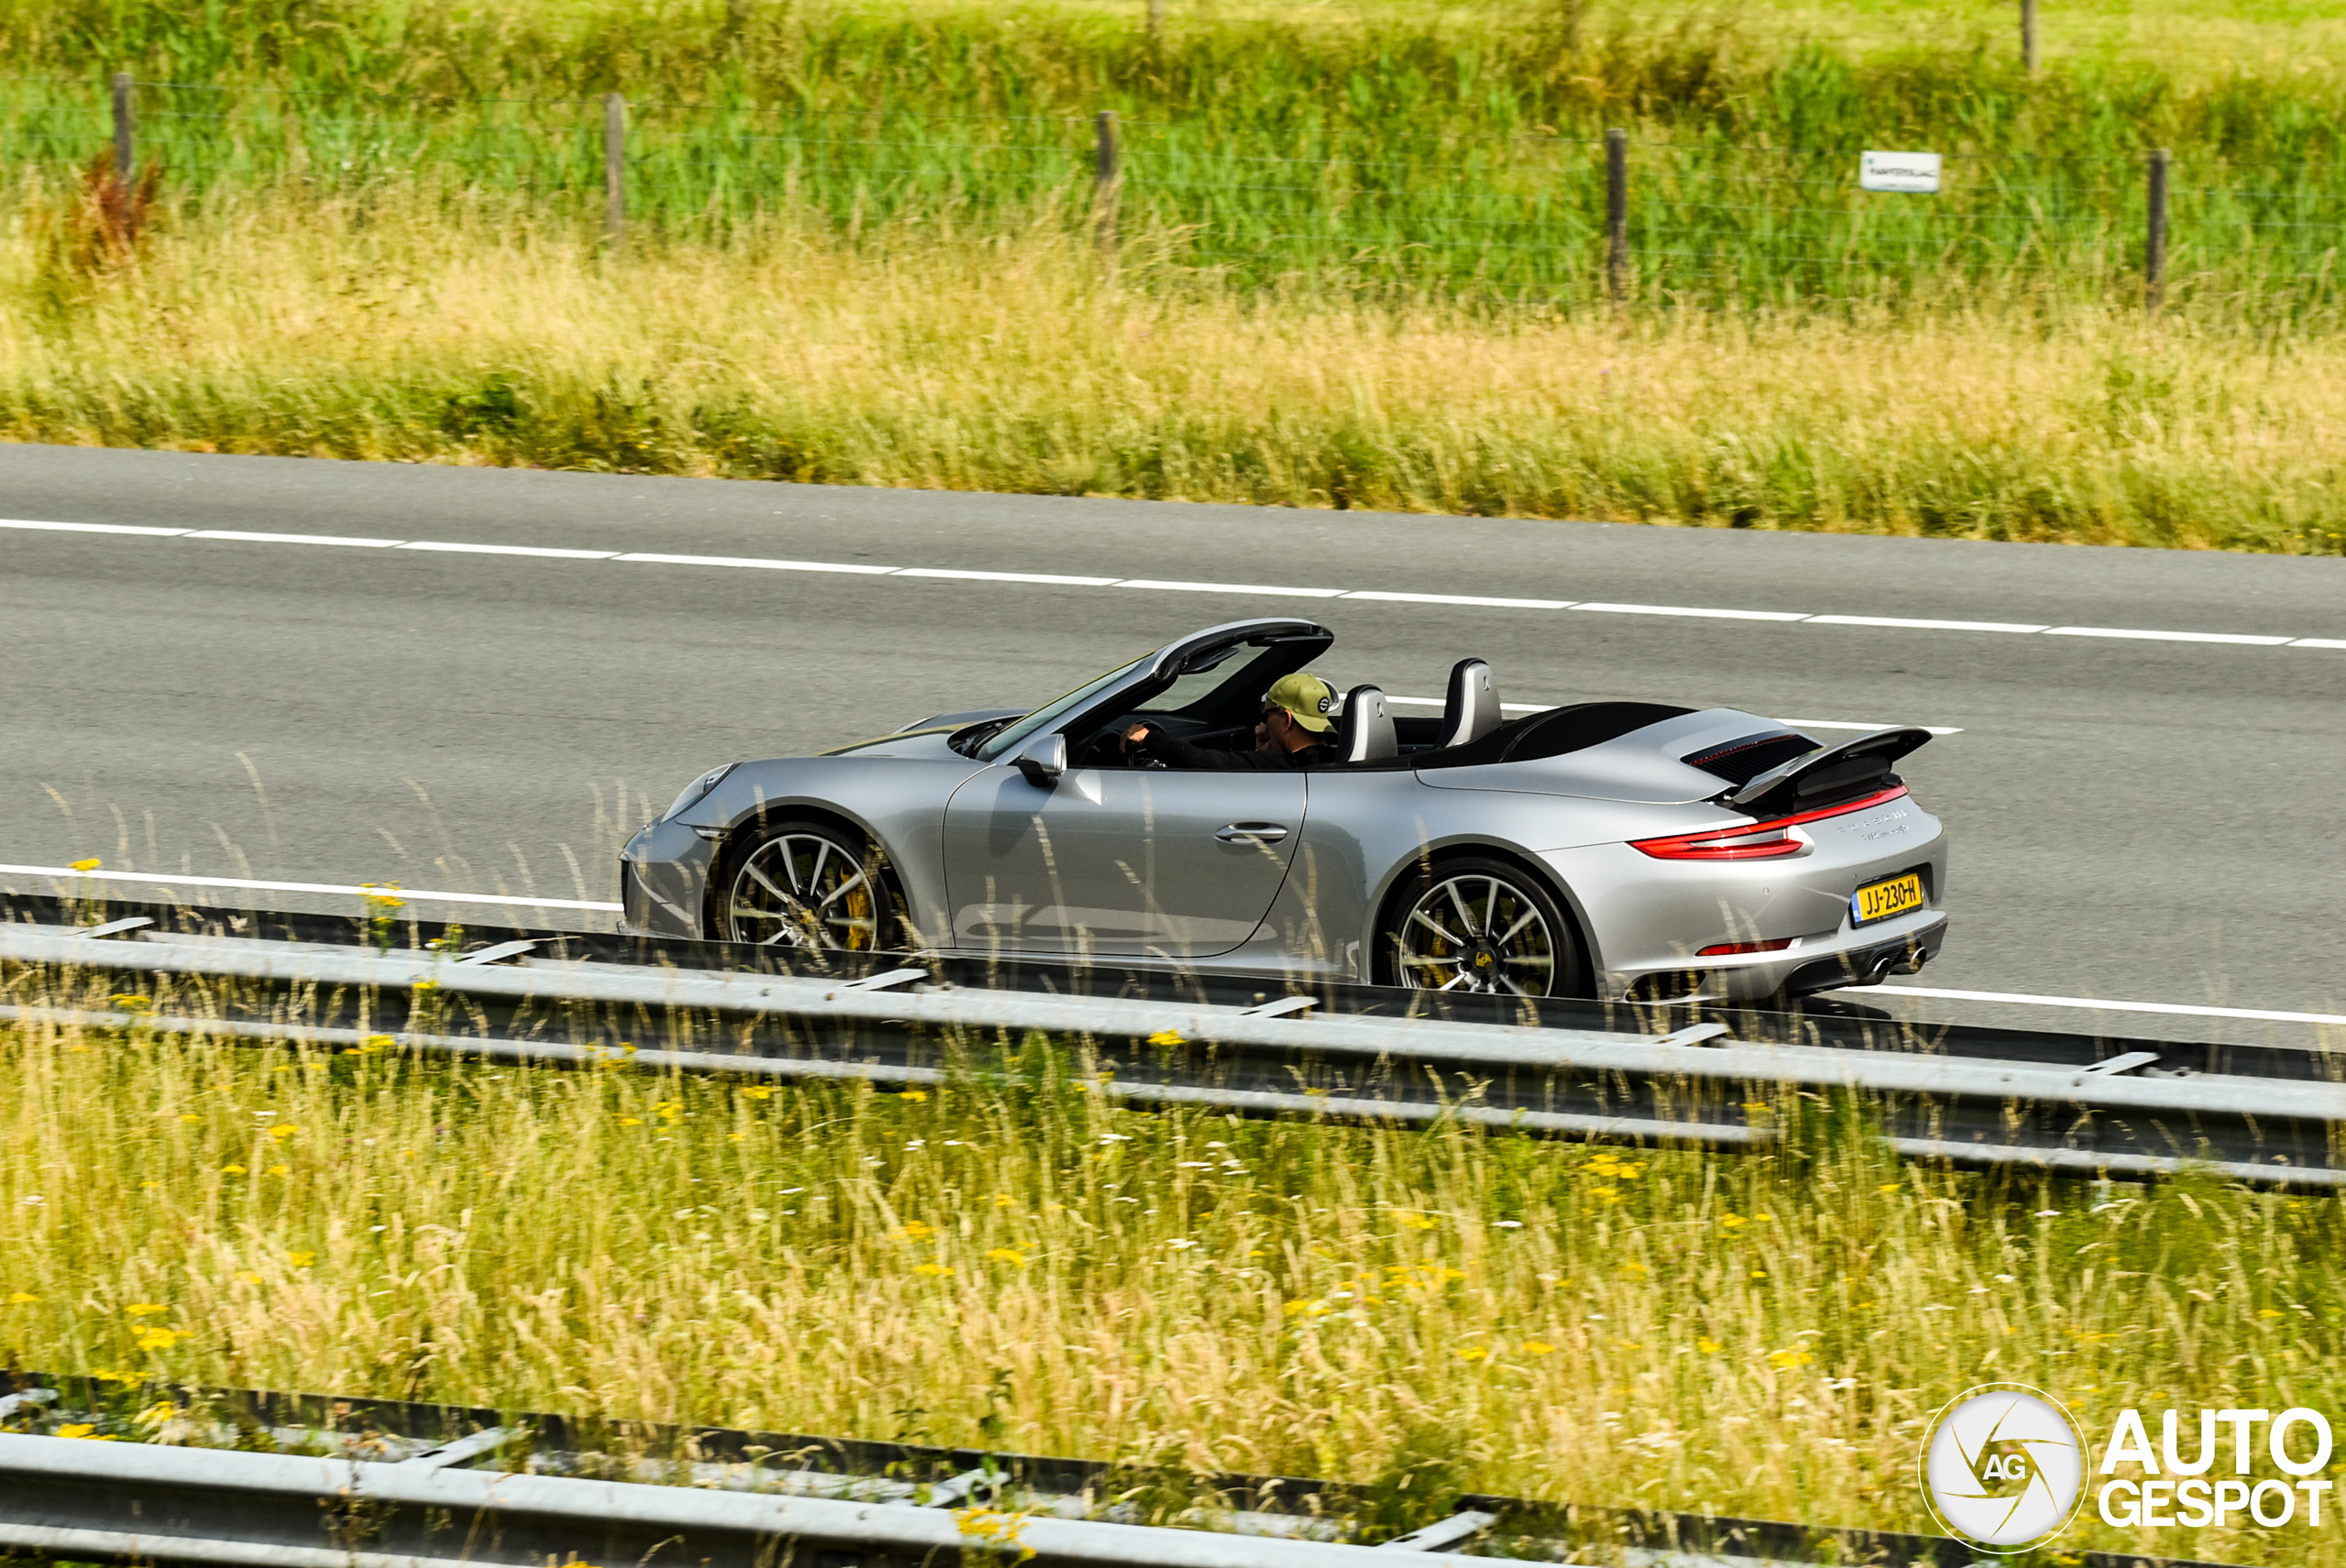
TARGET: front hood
(1642,766)
(928,743)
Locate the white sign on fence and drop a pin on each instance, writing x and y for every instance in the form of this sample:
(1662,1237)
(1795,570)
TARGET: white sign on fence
(1914,172)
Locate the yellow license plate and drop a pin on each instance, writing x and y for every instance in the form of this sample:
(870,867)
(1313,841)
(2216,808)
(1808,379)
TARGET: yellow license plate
(1881,900)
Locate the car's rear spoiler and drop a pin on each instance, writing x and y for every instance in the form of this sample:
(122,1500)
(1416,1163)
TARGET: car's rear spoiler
(1828,775)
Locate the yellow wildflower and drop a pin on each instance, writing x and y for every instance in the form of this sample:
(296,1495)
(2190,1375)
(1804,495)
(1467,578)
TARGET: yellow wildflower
(1708,1345)
(1473,1352)
(93,863)
(300,1259)
(912,1231)
(232,1170)
(1167,1037)
(145,1308)
(914,1095)
(1538,1347)
(82,1430)
(624,1122)
(937,1268)
(158,1339)
(759,1091)
(1007,1255)
(1786,1359)
(22,1299)
(281,1170)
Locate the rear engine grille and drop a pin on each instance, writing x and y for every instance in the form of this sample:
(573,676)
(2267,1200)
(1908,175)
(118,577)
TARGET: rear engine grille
(1740,761)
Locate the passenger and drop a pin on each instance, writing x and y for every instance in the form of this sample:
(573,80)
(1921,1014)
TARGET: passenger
(1293,733)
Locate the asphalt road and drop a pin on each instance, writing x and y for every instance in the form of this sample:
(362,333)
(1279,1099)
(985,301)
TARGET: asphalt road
(2135,819)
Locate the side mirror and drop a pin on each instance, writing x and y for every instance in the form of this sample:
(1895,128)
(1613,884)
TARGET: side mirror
(1043,759)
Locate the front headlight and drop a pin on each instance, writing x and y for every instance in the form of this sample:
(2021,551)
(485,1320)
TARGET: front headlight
(695,790)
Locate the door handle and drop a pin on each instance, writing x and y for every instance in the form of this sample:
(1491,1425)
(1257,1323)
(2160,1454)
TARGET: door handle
(1252,833)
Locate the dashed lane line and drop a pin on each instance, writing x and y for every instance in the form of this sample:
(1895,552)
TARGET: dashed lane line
(1247,591)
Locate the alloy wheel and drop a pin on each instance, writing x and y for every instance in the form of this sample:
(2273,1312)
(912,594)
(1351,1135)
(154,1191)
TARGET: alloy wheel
(1476,932)
(802,890)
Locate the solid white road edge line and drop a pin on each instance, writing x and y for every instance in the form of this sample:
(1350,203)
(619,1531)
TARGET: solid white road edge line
(2254,1013)
(408,894)
(1256,589)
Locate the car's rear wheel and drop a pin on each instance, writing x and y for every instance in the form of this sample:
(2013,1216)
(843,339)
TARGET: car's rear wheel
(1476,924)
(806,885)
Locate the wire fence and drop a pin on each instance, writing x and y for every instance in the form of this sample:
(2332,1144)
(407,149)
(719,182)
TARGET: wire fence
(1564,218)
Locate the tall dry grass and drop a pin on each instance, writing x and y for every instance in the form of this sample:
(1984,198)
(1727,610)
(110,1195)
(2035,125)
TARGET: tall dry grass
(415,329)
(1009,1262)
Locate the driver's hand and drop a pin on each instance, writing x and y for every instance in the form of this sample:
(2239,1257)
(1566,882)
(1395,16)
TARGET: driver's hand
(1133,736)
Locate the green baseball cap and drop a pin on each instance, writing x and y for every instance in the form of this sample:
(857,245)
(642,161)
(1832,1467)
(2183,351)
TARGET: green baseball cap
(1307,699)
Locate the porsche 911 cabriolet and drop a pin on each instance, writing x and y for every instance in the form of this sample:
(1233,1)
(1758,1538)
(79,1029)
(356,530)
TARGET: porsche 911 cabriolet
(1623,849)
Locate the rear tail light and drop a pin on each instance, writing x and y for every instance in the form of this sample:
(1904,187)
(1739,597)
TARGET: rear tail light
(1730,949)
(1759,841)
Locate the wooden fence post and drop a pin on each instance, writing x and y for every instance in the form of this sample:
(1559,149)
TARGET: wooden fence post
(124,149)
(2154,233)
(2028,36)
(614,170)
(1105,181)
(1617,214)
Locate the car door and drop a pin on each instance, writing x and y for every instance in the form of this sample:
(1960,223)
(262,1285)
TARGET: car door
(1116,860)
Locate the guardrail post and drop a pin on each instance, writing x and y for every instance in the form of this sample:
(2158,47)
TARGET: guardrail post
(124,149)
(614,170)
(2028,36)
(2154,233)
(1105,181)
(1617,214)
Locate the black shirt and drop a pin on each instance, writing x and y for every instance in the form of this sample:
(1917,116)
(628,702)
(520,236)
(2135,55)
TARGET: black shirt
(1176,753)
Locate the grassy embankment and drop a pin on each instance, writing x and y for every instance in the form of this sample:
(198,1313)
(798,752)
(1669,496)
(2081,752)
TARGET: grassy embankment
(850,264)
(1025,1268)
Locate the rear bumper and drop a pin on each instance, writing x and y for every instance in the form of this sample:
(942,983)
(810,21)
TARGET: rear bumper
(1856,957)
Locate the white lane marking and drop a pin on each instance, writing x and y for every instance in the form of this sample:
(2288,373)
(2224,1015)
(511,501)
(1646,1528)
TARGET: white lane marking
(659,558)
(242,537)
(1461,598)
(408,894)
(1845,724)
(2256,1015)
(1009,576)
(2164,636)
(1704,614)
(1260,588)
(754,562)
(90,527)
(1901,621)
(508,550)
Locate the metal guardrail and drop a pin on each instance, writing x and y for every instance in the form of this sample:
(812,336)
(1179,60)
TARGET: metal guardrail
(2123,1114)
(384,1484)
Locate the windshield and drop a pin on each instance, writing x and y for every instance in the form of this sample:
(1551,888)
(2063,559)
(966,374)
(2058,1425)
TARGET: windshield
(1240,665)
(1050,713)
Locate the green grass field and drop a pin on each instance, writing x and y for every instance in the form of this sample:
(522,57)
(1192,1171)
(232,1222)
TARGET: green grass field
(1007,1262)
(1401,202)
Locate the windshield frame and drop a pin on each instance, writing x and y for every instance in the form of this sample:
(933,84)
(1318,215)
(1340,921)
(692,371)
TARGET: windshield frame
(1015,733)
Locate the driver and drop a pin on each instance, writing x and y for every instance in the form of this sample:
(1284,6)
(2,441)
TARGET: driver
(1293,733)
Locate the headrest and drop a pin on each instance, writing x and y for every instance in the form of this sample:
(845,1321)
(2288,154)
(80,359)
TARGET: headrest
(1470,709)
(1366,734)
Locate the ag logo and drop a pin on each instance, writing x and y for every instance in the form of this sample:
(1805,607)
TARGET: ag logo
(2003,1467)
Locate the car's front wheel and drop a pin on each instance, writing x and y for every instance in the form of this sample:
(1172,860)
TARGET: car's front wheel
(1478,925)
(805,885)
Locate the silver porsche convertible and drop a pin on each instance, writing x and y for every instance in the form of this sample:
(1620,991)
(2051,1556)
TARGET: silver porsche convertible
(1623,849)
